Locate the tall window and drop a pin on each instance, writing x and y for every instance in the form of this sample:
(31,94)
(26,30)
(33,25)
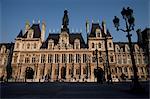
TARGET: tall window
(77,45)
(17,45)
(111,59)
(64,58)
(92,45)
(84,70)
(71,58)
(56,58)
(43,58)
(34,46)
(98,34)
(77,58)
(84,58)
(28,46)
(50,45)
(77,71)
(33,59)
(27,60)
(110,45)
(125,69)
(120,70)
(50,58)
(116,70)
(99,45)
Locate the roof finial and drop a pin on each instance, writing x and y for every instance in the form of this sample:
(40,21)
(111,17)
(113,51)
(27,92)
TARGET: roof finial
(49,30)
(80,30)
(92,21)
(33,21)
(97,20)
(39,21)
(72,29)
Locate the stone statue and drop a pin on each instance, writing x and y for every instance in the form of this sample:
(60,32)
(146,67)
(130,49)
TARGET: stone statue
(65,22)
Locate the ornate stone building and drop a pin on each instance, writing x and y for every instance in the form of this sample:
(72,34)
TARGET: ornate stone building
(66,57)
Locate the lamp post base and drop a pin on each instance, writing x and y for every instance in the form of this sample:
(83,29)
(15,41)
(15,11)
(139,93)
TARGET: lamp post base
(137,88)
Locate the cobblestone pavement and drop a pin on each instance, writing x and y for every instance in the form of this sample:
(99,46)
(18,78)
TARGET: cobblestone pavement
(71,90)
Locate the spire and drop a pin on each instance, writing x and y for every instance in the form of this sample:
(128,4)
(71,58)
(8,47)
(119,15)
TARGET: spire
(27,26)
(104,26)
(39,21)
(87,26)
(108,33)
(43,30)
(33,21)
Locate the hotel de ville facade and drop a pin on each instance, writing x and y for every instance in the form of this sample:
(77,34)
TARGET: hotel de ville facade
(66,57)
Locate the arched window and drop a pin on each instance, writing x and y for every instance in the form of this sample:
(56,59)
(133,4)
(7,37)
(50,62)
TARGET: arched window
(3,49)
(98,34)
(77,44)
(28,46)
(92,45)
(99,45)
(34,45)
(125,69)
(111,59)
(17,46)
(110,45)
(116,70)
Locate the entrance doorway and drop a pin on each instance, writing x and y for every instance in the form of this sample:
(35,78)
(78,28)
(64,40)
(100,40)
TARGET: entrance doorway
(63,72)
(29,73)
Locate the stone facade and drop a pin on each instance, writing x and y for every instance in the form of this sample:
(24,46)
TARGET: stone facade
(66,57)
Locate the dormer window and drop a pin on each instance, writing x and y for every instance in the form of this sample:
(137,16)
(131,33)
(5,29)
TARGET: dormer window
(98,34)
(30,33)
(77,44)
(99,45)
(3,49)
(50,44)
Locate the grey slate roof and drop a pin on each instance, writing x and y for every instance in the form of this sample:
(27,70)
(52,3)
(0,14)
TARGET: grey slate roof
(97,26)
(122,45)
(7,45)
(20,34)
(37,31)
(72,37)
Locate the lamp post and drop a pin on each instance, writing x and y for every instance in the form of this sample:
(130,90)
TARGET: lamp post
(72,69)
(80,67)
(96,56)
(108,70)
(127,15)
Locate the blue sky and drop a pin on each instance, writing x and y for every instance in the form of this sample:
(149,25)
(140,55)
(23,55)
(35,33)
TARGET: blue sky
(14,13)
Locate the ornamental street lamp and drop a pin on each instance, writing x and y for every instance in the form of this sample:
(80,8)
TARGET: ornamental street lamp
(96,56)
(108,70)
(79,67)
(127,15)
(72,69)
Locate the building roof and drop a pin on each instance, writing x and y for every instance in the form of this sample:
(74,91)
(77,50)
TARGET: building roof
(93,29)
(36,29)
(72,37)
(7,45)
(97,26)
(20,34)
(122,45)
